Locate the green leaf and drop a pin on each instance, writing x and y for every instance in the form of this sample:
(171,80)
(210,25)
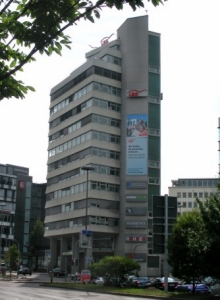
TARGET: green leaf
(31,88)
(13,64)
(68,47)
(27,27)
(97,14)
(58,45)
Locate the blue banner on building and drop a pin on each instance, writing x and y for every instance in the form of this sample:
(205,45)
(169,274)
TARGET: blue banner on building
(137,138)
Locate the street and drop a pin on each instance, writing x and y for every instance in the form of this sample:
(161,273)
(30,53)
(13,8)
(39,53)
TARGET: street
(31,291)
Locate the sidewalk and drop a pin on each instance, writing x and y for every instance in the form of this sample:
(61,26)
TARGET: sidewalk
(35,277)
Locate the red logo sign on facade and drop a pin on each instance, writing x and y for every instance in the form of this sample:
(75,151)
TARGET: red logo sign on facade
(135,239)
(136,93)
(104,41)
(131,140)
(21,185)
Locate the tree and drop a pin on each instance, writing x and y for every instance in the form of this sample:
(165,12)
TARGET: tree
(37,232)
(31,26)
(116,266)
(187,246)
(210,213)
(12,257)
(36,237)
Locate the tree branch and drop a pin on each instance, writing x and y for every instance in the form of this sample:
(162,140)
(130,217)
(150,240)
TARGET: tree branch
(40,45)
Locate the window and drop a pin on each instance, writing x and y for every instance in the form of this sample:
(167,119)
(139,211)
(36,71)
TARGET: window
(154,100)
(190,204)
(9,193)
(87,89)
(153,180)
(178,194)
(71,223)
(152,131)
(190,195)
(2,192)
(194,182)
(153,69)
(200,195)
(26,227)
(153,164)
(112,59)
(184,195)
(184,204)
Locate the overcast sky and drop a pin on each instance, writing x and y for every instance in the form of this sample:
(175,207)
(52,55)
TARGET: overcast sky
(190,56)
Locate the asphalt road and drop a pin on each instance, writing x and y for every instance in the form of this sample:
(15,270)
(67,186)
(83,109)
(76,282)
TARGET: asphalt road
(14,290)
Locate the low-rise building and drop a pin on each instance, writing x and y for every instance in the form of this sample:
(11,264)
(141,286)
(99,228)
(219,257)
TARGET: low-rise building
(188,189)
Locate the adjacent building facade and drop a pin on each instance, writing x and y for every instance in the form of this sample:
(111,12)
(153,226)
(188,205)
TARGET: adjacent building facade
(8,195)
(21,203)
(188,189)
(106,114)
(38,247)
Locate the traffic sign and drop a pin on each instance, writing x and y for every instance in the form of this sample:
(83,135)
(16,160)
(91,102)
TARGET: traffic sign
(86,239)
(87,232)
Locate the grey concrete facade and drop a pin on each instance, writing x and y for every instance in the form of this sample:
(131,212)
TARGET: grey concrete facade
(188,189)
(93,116)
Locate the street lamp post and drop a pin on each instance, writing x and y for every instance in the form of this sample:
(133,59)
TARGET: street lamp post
(75,257)
(87,168)
(2,204)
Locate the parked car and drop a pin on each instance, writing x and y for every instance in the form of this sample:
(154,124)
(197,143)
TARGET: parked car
(112,281)
(3,268)
(24,270)
(85,276)
(215,288)
(208,280)
(137,282)
(187,286)
(76,276)
(58,272)
(159,283)
(98,280)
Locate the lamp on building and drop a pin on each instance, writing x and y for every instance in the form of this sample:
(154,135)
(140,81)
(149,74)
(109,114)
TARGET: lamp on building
(135,249)
(87,168)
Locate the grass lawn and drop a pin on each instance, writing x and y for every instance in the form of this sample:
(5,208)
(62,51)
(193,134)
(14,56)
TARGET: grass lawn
(151,292)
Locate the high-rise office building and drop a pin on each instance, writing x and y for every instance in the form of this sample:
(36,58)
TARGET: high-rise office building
(106,115)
